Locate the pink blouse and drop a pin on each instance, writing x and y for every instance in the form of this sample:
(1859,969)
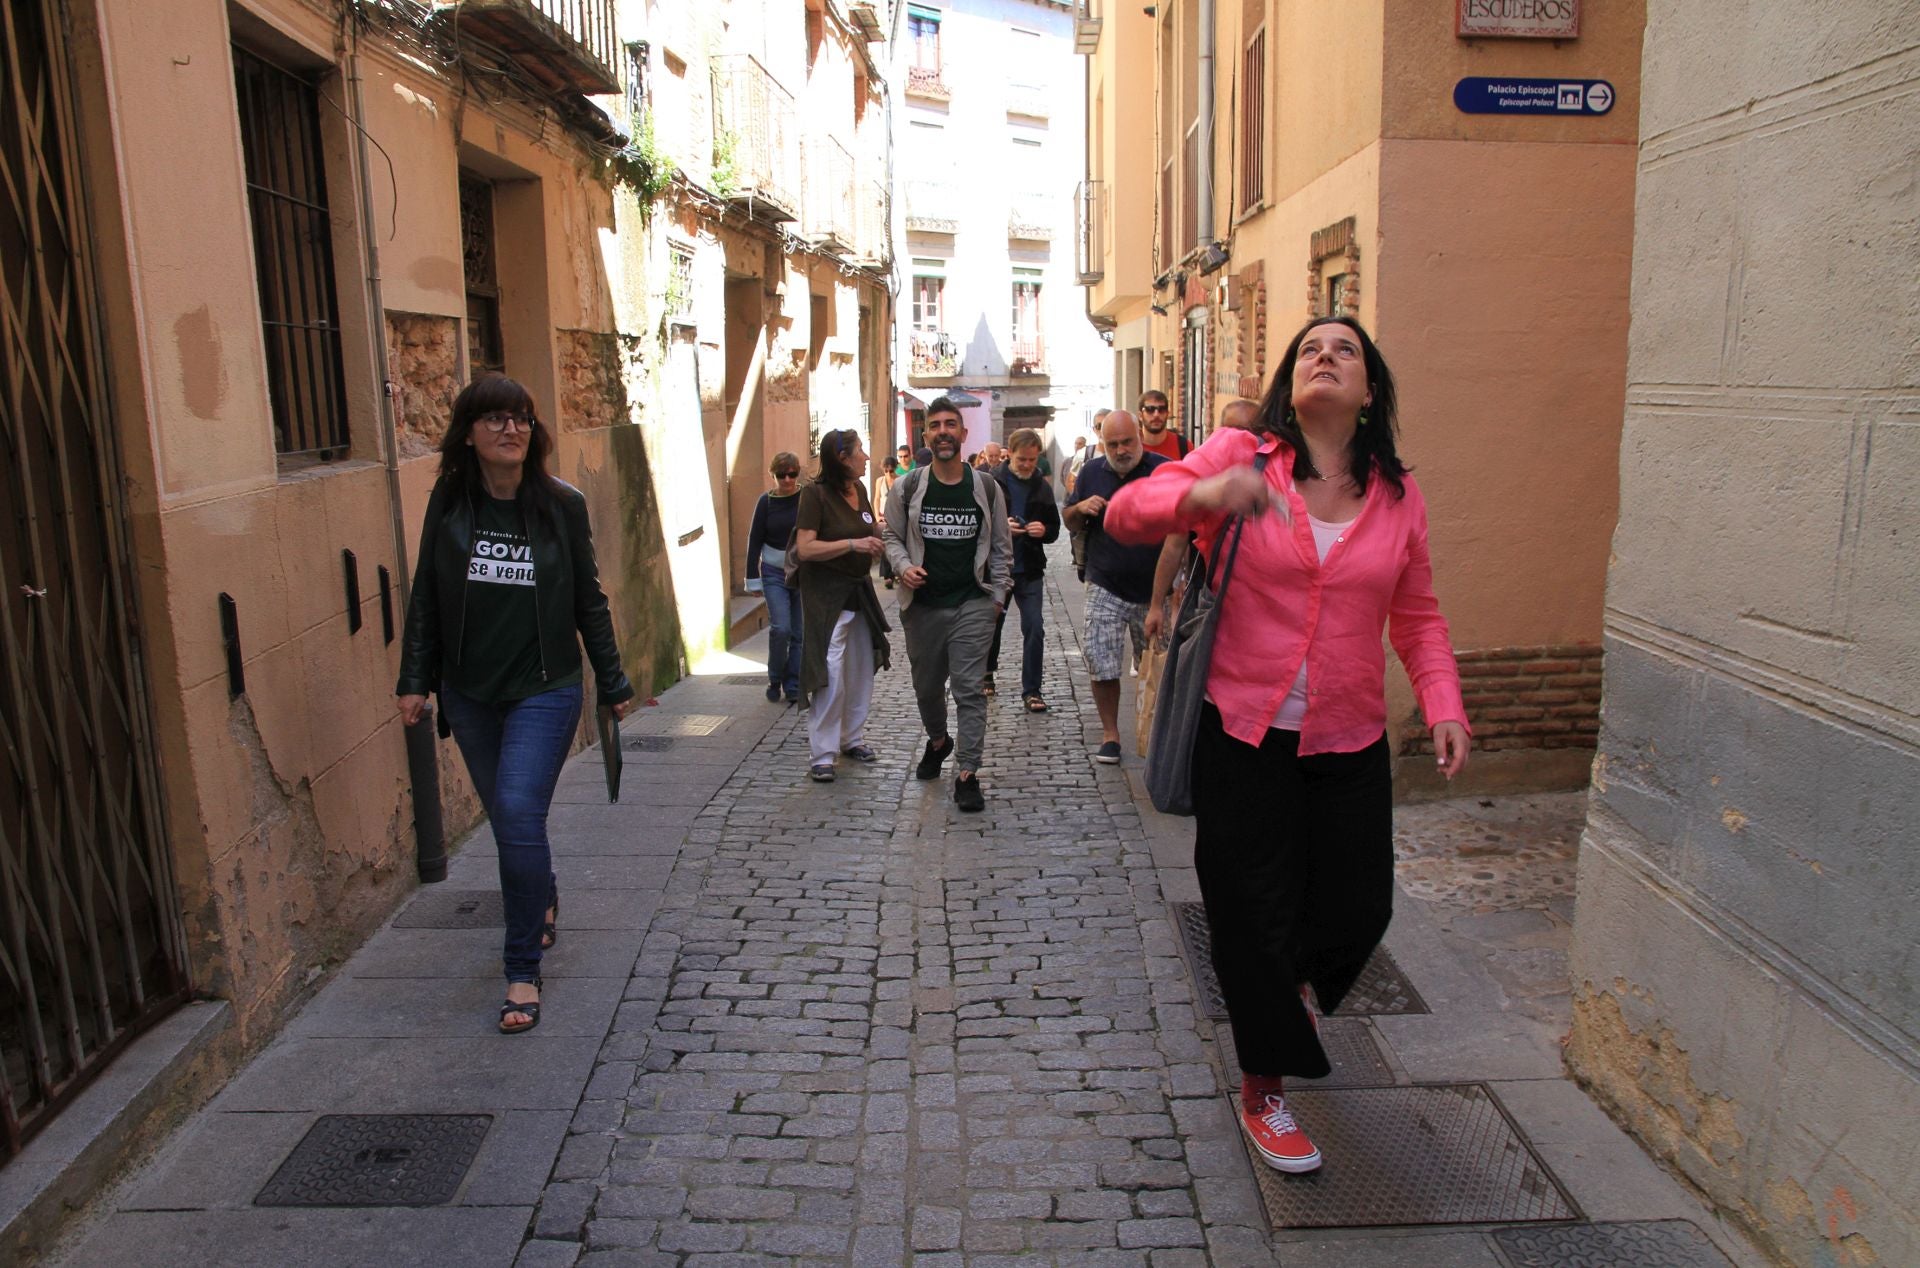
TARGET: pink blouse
(1286,607)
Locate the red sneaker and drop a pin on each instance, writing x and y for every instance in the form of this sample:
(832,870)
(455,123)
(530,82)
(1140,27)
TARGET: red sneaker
(1277,1137)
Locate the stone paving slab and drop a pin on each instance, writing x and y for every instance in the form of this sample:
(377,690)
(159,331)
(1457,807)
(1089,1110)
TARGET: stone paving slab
(443,1007)
(309,1238)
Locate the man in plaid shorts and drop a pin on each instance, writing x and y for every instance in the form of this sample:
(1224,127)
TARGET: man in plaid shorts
(1119,578)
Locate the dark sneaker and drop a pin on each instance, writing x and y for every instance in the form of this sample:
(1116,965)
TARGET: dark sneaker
(1277,1137)
(773,691)
(933,759)
(1108,754)
(967,794)
(821,773)
(861,753)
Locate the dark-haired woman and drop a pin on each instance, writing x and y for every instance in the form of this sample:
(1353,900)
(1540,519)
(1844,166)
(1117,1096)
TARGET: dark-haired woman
(767,538)
(504,590)
(837,539)
(1292,774)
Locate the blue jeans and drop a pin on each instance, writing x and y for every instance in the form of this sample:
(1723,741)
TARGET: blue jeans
(514,752)
(783,632)
(1030,596)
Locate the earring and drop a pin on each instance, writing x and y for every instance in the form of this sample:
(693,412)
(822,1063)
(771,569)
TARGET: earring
(1363,418)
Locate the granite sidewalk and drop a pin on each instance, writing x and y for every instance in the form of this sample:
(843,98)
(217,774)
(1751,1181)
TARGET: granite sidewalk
(844,1023)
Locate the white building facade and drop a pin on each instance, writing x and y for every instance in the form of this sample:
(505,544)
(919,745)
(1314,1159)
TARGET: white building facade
(989,133)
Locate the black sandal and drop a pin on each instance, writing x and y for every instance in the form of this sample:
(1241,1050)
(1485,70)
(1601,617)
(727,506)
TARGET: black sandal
(548,934)
(1035,704)
(530,1008)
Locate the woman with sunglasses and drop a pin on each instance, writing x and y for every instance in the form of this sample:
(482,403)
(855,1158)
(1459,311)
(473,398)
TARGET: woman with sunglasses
(836,539)
(504,590)
(767,541)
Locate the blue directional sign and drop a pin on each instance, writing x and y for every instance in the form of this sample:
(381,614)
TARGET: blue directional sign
(1533,96)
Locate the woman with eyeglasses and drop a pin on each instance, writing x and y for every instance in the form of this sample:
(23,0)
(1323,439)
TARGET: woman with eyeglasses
(836,539)
(504,590)
(767,541)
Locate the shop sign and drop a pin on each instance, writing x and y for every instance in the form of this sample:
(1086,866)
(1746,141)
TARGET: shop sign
(1533,96)
(1517,19)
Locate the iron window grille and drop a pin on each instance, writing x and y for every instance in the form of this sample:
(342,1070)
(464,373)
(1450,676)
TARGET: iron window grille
(293,255)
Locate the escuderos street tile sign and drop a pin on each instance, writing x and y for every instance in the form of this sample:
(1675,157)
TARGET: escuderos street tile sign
(1508,95)
(1517,19)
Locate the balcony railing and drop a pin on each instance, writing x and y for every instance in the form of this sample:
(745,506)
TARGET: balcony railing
(926,82)
(829,220)
(935,356)
(932,207)
(1030,218)
(565,45)
(1029,353)
(1090,231)
(755,148)
(873,235)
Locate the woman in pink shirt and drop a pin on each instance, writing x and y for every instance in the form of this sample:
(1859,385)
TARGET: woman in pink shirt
(1292,775)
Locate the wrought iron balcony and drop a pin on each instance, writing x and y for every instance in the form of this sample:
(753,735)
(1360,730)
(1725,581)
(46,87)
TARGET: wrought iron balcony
(1029,354)
(565,45)
(830,221)
(873,236)
(935,356)
(926,82)
(755,140)
(932,207)
(1030,218)
(1090,231)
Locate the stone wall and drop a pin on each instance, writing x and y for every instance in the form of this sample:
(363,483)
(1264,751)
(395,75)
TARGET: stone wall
(1745,998)
(593,379)
(423,367)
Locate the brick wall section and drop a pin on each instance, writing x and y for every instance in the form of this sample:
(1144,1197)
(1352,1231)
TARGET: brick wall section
(1527,697)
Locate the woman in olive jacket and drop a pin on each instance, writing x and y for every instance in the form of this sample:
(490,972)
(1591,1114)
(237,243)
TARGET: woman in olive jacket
(504,590)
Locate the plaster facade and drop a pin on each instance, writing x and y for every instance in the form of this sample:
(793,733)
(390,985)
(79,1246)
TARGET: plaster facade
(1488,255)
(671,345)
(1743,950)
(989,116)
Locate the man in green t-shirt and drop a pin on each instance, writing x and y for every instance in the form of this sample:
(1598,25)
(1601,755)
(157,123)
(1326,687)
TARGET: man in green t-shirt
(946,535)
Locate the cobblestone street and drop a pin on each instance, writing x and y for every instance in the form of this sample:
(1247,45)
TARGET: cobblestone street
(861,1027)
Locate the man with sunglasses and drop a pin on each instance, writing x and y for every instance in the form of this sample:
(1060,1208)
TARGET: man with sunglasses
(1155,435)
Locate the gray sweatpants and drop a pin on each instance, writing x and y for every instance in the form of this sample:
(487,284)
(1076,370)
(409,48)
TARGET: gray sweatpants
(945,643)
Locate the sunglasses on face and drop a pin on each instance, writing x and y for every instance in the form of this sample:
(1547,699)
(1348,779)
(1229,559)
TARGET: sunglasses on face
(1153,409)
(502,420)
(786,475)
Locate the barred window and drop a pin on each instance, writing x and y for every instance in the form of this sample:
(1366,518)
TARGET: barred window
(293,257)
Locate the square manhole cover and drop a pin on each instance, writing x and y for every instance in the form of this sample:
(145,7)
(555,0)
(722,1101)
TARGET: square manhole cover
(438,908)
(1443,1154)
(693,723)
(1381,991)
(1655,1244)
(743,680)
(378,1160)
(647,743)
(1356,1058)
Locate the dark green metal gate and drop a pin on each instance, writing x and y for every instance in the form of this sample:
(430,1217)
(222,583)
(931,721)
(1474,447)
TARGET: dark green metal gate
(91,949)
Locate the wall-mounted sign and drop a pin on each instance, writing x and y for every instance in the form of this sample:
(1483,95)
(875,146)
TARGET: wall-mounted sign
(1518,19)
(1533,96)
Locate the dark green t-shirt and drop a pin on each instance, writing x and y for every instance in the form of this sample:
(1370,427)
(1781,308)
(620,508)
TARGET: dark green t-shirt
(500,646)
(950,527)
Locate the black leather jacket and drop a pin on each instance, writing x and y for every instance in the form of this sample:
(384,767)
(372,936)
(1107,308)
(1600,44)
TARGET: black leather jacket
(567,595)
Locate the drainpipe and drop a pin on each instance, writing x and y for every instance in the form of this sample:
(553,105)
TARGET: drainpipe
(423,762)
(1204,176)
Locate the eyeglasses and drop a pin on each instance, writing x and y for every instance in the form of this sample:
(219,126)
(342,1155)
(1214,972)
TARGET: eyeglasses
(501,420)
(1153,409)
(786,475)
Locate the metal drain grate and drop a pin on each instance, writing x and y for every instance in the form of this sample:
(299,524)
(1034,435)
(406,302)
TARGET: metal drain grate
(692,723)
(1383,990)
(1356,1058)
(743,680)
(1665,1244)
(646,743)
(453,909)
(1411,1155)
(378,1160)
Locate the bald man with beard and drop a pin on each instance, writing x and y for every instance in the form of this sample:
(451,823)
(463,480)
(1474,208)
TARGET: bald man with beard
(1119,577)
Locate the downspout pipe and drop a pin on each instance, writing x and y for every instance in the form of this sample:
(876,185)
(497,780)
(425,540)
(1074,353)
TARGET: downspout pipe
(1203,173)
(423,759)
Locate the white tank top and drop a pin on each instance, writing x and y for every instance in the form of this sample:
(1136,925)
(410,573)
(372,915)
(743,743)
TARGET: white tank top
(1293,710)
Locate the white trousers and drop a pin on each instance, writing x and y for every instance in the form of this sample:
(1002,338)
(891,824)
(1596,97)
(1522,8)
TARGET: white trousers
(838,717)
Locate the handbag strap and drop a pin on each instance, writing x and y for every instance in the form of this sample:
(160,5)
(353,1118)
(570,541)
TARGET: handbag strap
(1233,552)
